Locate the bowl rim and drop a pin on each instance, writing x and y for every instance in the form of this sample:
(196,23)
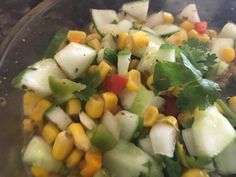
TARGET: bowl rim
(20,26)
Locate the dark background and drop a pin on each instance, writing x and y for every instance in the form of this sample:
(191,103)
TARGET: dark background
(11,11)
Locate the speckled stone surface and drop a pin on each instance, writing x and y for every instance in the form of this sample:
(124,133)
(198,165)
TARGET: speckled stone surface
(11,11)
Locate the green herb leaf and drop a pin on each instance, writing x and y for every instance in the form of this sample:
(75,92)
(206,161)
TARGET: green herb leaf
(198,162)
(92,82)
(173,167)
(197,52)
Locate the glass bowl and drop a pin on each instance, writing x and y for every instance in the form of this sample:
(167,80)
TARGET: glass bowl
(29,39)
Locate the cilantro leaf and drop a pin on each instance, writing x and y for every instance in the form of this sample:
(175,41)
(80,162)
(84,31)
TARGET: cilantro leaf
(197,52)
(173,167)
(92,82)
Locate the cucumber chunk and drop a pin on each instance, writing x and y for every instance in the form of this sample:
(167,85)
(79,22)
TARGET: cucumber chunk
(154,19)
(166,29)
(123,62)
(108,41)
(190,13)
(101,173)
(108,55)
(228,31)
(166,53)
(146,145)
(87,121)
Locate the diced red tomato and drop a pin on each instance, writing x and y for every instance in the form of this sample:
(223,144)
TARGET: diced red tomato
(201,27)
(170,106)
(114,83)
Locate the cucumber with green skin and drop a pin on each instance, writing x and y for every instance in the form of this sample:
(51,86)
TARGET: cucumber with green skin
(36,77)
(166,29)
(108,41)
(124,58)
(167,53)
(108,55)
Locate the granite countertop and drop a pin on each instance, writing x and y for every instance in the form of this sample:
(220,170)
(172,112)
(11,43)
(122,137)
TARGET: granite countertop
(11,11)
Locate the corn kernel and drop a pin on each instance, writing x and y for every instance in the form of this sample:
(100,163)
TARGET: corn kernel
(63,145)
(73,107)
(76,36)
(74,158)
(129,43)
(28,125)
(177,38)
(232,104)
(168,18)
(186,25)
(139,40)
(122,40)
(133,64)
(50,132)
(149,82)
(91,28)
(80,138)
(194,172)
(212,33)
(92,69)
(150,116)
(30,100)
(110,101)
(104,69)
(38,112)
(193,34)
(93,36)
(39,172)
(95,43)
(204,37)
(94,107)
(134,80)
(227,54)
(171,120)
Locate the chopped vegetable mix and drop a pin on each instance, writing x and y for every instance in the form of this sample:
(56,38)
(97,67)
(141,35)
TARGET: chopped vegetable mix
(138,95)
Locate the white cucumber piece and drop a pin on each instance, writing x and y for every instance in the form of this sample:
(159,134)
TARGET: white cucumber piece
(111,124)
(100,55)
(163,139)
(137,9)
(123,62)
(128,123)
(222,67)
(212,132)
(108,41)
(148,30)
(157,101)
(124,26)
(87,121)
(128,160)
(36,77)
(226,160)
(190,13)
(103,17)
(166,29)
(217,44)
(228,31)
(189,141)
(154,19)
(58,117)
(146,145)
(127,98)
(166,53)
(148,60)
(38,153)
(75,58)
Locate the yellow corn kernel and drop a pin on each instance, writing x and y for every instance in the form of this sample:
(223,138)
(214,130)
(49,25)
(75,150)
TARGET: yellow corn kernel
(168,18)
(186,25)
(171,120)
(194,172)
(133,64)
(94,107)
(63,145)
(92,164)
(30,100)
(91,28)
(92,69)
(232,103)
(28,125)
(38,112)
(80,138)
(139,40)
(104,69)
(122,40)
(177,38)
(110,101)
(50,132)
(149,82)
(93,36)
(218,107)
(74,158)
(204,37)
(193,34)
(160,116)
(76,36)
(134,80)
(212,33)
(150,116)
(227,54)
(95,43)
(73,107)
(39,172)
